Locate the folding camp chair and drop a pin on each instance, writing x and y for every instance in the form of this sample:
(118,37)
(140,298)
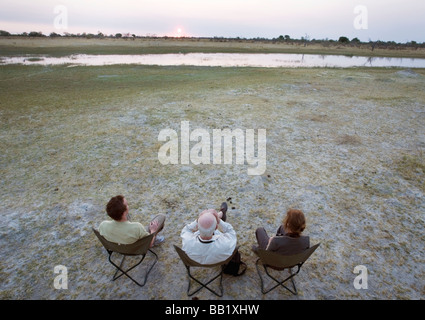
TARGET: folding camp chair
(280,262)
(138,248)
(188,263)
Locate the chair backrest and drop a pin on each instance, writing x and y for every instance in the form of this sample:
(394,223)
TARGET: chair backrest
(191,263)
(139,247)
(277,260)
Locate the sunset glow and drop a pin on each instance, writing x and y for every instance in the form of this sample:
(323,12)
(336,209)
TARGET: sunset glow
(395,20)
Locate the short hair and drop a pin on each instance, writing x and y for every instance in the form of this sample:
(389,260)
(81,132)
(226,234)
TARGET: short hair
(207,232)
(294,222)
(116,207)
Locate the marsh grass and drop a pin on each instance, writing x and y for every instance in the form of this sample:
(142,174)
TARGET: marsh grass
(67,46)
(73,137)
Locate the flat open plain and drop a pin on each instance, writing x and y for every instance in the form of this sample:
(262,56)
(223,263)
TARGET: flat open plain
(346,146)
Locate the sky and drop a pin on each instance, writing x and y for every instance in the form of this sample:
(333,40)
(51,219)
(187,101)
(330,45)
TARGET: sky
(368,20)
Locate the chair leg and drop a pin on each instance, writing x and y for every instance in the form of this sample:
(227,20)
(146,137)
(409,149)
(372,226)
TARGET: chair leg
(125,272)
(118,268)
(205,285)
(279,283)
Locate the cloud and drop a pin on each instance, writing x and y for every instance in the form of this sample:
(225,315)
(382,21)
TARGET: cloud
(388,20)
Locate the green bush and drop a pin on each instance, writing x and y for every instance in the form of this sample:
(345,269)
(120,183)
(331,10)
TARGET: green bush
(343,40)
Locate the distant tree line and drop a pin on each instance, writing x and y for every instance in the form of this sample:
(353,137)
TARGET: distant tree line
(99,35)
(280,39)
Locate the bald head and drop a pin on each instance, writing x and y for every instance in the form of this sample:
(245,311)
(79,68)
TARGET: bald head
(207,223)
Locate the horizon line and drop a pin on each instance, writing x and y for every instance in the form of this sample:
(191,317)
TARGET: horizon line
(129,35)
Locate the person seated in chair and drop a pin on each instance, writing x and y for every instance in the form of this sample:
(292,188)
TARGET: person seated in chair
(209,239)
(288,239)
(121,230)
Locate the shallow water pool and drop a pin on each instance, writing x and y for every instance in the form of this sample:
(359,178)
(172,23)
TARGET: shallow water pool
(267,60)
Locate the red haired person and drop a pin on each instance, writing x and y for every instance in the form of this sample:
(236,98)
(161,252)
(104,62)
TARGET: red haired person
(289,239)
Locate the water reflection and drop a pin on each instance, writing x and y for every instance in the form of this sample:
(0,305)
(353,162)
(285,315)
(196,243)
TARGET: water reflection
(370,60)
(268,60)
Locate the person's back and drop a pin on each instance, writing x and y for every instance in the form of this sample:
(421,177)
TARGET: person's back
(209,240)
(286,245)
(121,230)
(288,239)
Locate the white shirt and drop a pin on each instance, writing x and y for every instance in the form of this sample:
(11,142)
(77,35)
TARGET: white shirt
(218,249)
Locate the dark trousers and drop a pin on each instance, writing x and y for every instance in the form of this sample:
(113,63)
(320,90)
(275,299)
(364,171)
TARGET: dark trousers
(263,238)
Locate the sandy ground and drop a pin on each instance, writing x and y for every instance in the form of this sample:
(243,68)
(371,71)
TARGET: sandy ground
(345,146)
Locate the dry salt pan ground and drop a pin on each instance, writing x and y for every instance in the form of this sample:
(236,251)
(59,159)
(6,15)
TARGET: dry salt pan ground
(346,146)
